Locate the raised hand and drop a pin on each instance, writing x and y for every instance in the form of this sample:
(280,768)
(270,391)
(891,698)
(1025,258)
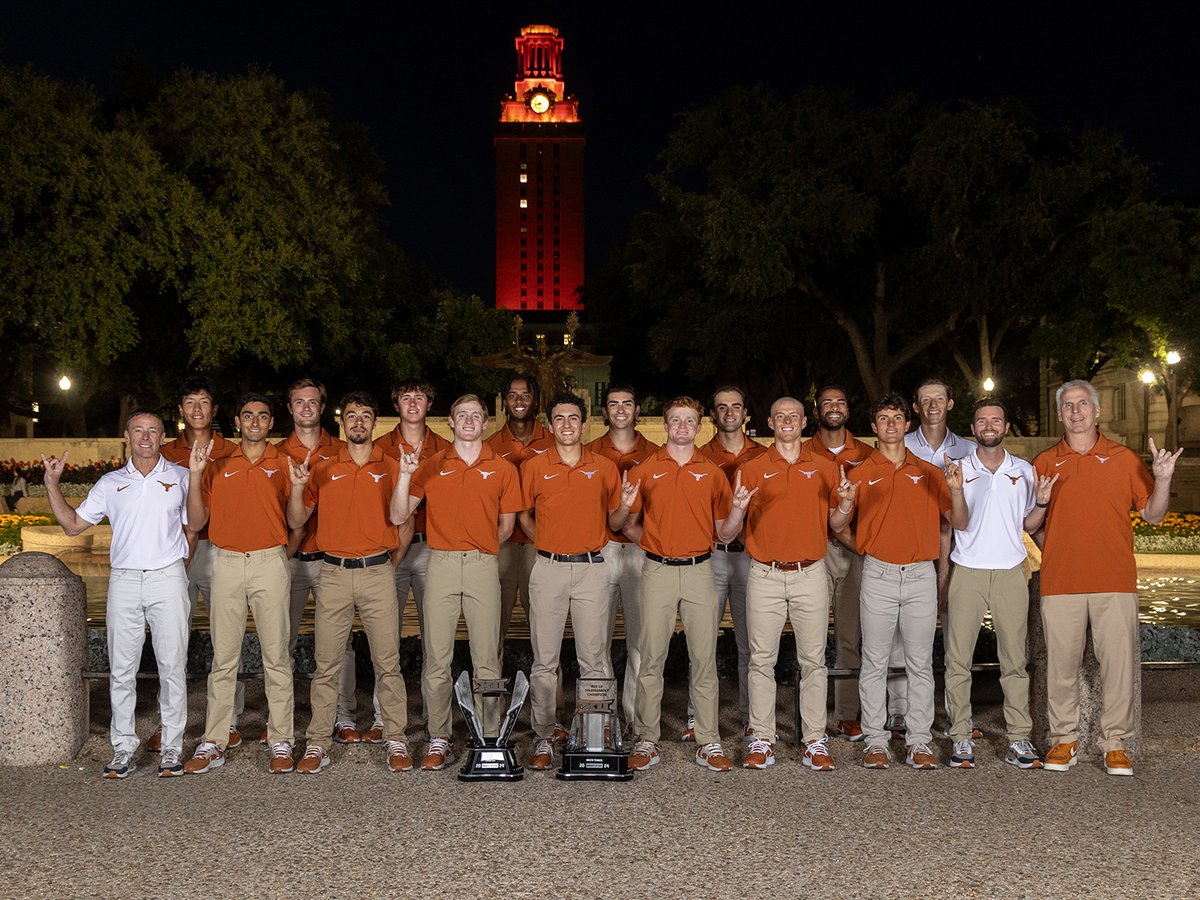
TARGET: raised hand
(846,489)
(409,463)
(629,492)
(300,473)
(741,496)
(1042,488)
(954,478)
(54,468)
(199,457)
(1162,462)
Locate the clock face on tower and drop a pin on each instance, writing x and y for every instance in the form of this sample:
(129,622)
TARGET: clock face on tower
(539,102)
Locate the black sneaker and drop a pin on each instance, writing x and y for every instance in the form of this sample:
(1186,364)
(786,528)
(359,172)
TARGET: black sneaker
(121,766)
(169,764)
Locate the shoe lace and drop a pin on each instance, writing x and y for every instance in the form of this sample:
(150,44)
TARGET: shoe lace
(439,745)
(760,746)
(1022,748)
(397,747)
(169,757)
(207,749)
(711,750)
(819,746)
(919,749)
(963,748)
(645,748)
(314,752)
(543,747)
(282,751)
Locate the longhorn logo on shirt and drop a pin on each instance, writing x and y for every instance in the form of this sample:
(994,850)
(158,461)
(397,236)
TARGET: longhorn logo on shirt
(807,475)
(697,475)
(486,475)
(1014,478)
(540,452)
(588,474)
(916,479)
(167,487)
(378,478)
(270,472)
(1103,459)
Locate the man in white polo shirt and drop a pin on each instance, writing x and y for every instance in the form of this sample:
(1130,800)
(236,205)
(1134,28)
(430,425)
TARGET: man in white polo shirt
(1004,496)
(146,502)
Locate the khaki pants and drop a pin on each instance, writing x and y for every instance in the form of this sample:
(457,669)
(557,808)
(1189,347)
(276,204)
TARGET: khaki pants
(199,573)
(1115,640)
(730,571)
(466,583)
(773,596)
(410,575)
(972,593)
(306,579)
(690,591)
(373,592)
(556,588)
(897,601)
(255,583)
(625,563)
(515,565)
(843,567)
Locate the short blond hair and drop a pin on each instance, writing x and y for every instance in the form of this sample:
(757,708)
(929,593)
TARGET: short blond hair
(468,398)
(685,402)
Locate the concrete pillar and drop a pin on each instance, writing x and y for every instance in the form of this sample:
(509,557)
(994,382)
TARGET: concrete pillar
(43,648)
(1091,693)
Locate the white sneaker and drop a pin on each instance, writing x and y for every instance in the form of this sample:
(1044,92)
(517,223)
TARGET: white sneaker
(168,763)
(963,756)
(121,766)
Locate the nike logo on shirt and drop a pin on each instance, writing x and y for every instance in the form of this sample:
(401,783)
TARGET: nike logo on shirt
(969,480)
(876,481)
(451,472)
(336,477)
(770,475)
(548,477)
(231,474)
(659,475)
(121,488)
(1059,463)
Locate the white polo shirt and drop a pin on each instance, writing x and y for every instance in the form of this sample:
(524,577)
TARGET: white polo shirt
(953,447)
(998,505)
(147,514)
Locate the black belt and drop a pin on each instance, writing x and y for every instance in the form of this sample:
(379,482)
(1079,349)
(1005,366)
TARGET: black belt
(732,547)
(591,557)
(309,556)
(358,562)
(678,560)
(418,537)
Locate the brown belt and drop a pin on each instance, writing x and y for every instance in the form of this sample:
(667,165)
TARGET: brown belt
(788,566)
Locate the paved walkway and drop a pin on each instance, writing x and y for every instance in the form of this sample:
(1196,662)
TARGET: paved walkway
(677,830)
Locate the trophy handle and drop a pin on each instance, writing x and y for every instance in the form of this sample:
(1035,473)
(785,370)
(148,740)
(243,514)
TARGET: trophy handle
(520,692)
(466,702)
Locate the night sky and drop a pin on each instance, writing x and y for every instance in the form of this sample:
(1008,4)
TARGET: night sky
(427,82)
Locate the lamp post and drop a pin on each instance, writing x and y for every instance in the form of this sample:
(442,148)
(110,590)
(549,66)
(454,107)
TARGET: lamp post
(64,385)
(1172,435)
(1147,378)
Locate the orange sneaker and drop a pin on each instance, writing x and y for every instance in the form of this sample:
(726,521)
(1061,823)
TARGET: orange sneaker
(816,756)
(438,756)
(850,730)
(1117,762)
(208,756)
(921,757)
(644,755)
(876,757)
(712,757)
(281,762)
(314,760)
(374,734)
(1061,757)
(346,733)
(397,756)
(543,755)
(759,756)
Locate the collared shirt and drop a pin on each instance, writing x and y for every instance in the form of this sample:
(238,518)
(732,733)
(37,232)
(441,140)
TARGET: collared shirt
(899,510)
(508,448)
(464,502)
(355,503)
(179,452)
(327,448)
(247,501)
(953,447)
(571,503)
(728,462)
(998,504)
(851,454)
(788,519)
(681,503)
(393,444)
(625,462)
(147,514)
(1089,540)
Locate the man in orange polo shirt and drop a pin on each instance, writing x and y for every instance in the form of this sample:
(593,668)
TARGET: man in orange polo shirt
(243,497)
(1088,574)
(306,403)
(572,497)
(899,500)
(729,449)
(843,565)
(412,400)
(684,498)
(788,496)
(197,407)
(522,437)
(472,498)
(362,502)
(626,447)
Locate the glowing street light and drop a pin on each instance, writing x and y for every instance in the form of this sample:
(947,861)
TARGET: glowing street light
(1147,377)
(1173,357)
(989,385)
(64,383)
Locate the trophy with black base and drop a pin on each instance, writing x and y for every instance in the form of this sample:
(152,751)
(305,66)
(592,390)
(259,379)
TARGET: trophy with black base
(490,759)
(594,750)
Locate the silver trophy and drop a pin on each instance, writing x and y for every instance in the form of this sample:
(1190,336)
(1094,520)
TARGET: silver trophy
(490,759)
(594,750)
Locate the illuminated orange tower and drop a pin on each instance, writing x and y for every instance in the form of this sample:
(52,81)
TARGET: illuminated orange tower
(539,182)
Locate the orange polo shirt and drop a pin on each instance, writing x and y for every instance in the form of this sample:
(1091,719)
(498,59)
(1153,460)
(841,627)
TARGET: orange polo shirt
(728,462)
(681,503)
(508,448)
(354,502)
(853,454)
(570,504)
(642,449)
(178,452)
(1089,541)
(899,510)
(464,502)
(247,502)
(327,448)
(393,444)
(788,519)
